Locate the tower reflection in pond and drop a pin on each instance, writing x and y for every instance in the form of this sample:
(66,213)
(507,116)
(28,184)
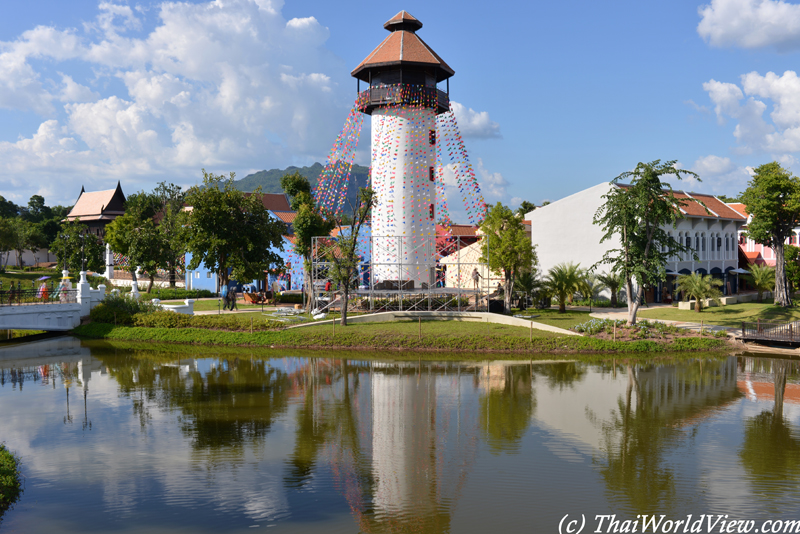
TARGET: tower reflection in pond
(401,438)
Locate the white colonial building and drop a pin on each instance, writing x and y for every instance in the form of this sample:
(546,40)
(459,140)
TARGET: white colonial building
(564,232)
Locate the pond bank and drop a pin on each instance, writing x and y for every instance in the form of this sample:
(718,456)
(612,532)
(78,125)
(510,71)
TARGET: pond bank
(431,337)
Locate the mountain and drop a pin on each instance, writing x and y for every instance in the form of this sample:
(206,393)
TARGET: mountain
(270,181)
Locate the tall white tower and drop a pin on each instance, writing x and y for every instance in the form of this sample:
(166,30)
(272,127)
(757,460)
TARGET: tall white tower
(403,100)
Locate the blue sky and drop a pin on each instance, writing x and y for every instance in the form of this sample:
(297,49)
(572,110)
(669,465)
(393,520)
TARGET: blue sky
(552,97)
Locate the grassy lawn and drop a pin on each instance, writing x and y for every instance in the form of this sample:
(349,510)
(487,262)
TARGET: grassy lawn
(214,304)
(731,315)
(553,318)
(438,329)
(26,279)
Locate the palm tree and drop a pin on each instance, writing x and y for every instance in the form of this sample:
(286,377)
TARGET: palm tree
(763,278)
(700,287)
(613,281)
(527,283)
(562,281)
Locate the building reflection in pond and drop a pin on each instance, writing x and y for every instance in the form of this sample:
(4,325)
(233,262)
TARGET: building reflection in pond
(770,451)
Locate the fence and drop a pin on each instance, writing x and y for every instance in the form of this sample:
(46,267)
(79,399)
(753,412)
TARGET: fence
(27,297)
(397,273)
(771,331)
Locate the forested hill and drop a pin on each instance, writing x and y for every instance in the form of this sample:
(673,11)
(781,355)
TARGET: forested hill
(270,181)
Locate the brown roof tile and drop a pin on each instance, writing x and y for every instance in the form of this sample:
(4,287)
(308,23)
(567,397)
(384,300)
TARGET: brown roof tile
(274,201)
(741,208)
(403,15)
(716,208)
(286,216)
(402,47)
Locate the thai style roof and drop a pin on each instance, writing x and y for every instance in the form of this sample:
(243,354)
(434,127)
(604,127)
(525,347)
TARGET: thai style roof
(99,205)
(403,47)
(463,230)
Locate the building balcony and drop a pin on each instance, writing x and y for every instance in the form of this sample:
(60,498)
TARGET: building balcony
(399,95)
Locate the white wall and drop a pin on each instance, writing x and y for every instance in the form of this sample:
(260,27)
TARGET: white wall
(28,258)
(564,232)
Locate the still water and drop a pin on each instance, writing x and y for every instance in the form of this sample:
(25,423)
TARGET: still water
(137,440)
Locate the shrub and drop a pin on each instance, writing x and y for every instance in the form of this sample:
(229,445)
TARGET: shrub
(119,310)
(291,298)
(162,319)
(10,488)
(169,319)
(177,294)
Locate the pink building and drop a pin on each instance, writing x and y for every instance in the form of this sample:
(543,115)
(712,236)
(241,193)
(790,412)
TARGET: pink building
(756,253)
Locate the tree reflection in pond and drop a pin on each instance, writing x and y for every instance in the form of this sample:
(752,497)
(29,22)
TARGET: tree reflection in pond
(770,452)
(232,404)
(507,408)
(660,406)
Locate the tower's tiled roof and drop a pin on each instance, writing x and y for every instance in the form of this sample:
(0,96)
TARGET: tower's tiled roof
(403,46)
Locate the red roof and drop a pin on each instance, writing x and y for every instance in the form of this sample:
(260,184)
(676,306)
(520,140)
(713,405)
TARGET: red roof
(714,207)
(403,46)
(286,216)
(274,202)
(741,208)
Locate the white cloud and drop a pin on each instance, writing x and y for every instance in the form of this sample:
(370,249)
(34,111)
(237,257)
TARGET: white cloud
(475,124)
(751,24)
(230,84)
(493,185)
(719,175)
(75,92)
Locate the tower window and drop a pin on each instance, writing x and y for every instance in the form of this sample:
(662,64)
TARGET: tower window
(431,174)
(432,137)
(431,214)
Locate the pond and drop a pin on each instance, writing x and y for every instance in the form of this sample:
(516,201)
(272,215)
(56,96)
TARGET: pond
(146,440)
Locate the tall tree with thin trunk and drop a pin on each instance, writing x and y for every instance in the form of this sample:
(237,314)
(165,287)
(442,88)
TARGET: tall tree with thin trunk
(637,215)
(309,223)
(506,247)
(343,258)
(773,201)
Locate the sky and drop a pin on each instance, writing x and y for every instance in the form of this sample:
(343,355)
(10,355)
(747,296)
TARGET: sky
(551,97)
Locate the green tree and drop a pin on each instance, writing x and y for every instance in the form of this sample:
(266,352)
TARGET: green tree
(343,258)
(22,235)
(791,254)
(728,200)
(700,287)
(134,235)
(73,241)
(506,247)
(169,199)
(229,231)
(773,201)
(37,211)
(6,239)
(637,215)
(763,279)
(310,222)
(525,208)
(613,281)
(8,210)
(562,281)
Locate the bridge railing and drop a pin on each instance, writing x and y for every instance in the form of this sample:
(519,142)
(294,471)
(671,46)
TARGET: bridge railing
(27,297)
(771,331)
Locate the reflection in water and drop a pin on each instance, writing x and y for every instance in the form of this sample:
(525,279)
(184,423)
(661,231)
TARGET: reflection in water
(310,444)
(770,453)
(660,405)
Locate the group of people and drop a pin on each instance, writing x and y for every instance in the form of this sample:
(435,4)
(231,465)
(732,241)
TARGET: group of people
(229,295)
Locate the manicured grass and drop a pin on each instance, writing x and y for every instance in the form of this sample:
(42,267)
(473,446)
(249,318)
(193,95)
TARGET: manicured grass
(26,279)
(436,336)
(10,479)
(731,315)
(213,304)
(564,320)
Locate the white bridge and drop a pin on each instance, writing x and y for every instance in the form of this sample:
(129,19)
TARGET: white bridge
(51,315)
